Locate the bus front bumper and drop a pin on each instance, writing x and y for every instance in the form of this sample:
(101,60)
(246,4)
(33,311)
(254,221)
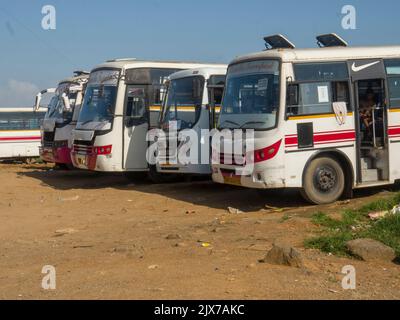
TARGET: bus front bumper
(268,179)
(62,155)
(47,154)
(84,161)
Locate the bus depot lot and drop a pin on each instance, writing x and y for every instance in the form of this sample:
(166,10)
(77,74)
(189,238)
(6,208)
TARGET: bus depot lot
(109,238)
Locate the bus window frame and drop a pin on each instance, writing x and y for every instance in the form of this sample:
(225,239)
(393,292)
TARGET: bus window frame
(344,62)
(388,77)
(281,102)
(21,117)
(136,121)
(298,83)
(121,77)
(213,119)
(204,90)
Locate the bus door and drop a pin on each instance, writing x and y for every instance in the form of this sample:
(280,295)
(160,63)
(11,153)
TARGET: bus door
(136,124)
(370,93)
(215,93)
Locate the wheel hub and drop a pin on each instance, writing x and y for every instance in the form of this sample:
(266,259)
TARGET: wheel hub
(325,179)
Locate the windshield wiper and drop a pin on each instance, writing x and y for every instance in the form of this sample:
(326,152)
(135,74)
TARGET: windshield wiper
(86,122)
(231,122)
(251,122)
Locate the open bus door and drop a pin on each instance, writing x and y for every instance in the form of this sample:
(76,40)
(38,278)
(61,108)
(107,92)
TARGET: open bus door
(136,125)
(213,106)
(215,92)
(370,95)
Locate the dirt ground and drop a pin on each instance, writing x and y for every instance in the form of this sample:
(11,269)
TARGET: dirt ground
(109,238)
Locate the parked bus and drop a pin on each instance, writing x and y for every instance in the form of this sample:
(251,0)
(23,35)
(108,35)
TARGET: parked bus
(193,101)
(326,120)
(122,102)
(20,133)
(61,119)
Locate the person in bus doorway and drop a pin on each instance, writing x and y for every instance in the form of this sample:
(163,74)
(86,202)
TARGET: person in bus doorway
(367,106)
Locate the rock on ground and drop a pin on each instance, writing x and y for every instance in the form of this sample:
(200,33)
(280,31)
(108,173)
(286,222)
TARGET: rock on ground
(370,250)
(284,254)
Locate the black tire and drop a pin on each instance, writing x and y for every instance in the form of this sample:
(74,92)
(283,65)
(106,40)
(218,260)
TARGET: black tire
(324,181)
(61,167)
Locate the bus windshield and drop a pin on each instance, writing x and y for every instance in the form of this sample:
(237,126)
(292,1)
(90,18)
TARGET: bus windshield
(98,105)
(57,110)
(183,102)
(251,99)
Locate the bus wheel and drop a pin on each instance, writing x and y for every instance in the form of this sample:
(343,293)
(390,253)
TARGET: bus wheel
(64,167)
(324,181)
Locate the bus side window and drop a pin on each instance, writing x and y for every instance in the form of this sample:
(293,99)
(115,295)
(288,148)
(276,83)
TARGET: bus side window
(218,93)
(136,103)
(394,92)
(341,92)
(316,97)
(292,99)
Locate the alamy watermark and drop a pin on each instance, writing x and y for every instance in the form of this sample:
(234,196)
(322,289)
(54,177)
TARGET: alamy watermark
(349,281)
(49,20)
(49,281)
(349,20)
(205,147)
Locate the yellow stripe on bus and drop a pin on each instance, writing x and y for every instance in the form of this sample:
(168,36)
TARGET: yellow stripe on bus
(155,108)
(316,116)
(394,110)
(180,108)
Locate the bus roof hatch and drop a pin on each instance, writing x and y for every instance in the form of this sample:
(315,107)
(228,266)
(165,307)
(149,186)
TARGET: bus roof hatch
(331,40)
(278,41)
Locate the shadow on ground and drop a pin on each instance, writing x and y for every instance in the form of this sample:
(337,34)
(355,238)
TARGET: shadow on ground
(203,193)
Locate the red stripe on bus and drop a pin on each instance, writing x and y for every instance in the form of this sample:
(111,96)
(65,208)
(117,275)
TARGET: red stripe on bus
(334,137)
(324,138)
(394,131)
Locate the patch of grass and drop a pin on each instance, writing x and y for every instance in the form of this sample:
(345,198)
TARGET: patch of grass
(355,224)
(285,218)
(386,231)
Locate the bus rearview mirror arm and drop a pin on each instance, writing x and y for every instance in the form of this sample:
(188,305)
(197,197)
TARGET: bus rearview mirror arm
(65,99)
(38,98)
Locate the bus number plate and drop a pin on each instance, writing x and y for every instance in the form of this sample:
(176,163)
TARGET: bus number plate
(82,161)
(233,180)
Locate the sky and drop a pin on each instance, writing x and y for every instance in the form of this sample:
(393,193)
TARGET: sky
(88,32)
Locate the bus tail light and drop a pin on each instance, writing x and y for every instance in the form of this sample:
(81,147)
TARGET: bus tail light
(267,153)
(102,151)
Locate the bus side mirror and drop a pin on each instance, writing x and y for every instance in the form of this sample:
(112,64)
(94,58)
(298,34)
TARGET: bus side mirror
(163,90)
(292,95)
(38,98)
(66,102)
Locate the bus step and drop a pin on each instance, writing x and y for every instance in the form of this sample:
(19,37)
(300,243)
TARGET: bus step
(366,163)
(370,175)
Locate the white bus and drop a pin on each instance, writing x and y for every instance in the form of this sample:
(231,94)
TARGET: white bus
(122,102)
(20,133)
(61,119)
(193,101)
(326,120)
